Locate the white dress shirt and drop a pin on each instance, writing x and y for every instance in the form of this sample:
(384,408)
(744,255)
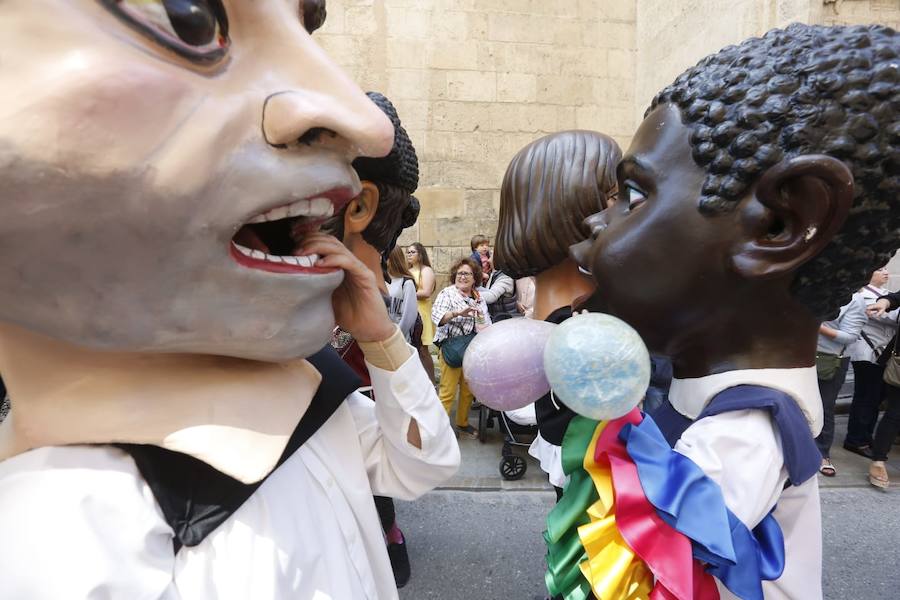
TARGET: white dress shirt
(80,522)
(741,452)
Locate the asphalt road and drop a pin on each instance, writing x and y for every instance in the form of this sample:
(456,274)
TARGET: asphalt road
(478,545)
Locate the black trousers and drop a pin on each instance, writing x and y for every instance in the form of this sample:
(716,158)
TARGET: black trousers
(868,391)
(385,508)
(828,389)
(889,425)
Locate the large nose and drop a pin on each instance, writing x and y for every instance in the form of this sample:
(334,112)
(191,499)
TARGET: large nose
(295,117)
(597,222)
(325,99)
(581,251)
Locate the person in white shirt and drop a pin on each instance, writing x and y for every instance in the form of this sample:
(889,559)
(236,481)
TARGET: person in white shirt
(732,239)
(176,430)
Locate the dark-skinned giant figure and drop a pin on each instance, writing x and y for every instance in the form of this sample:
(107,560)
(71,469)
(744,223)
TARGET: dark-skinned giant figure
(756,194)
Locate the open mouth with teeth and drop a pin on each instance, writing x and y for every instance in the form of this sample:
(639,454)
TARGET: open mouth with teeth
(273,240)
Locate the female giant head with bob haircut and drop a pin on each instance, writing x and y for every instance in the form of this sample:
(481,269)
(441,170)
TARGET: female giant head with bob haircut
(550,187)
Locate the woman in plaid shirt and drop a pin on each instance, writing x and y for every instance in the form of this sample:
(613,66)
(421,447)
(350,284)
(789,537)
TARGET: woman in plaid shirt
(458,310)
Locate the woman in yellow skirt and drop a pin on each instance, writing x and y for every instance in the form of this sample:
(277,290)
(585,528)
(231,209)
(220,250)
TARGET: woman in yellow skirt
(423,275)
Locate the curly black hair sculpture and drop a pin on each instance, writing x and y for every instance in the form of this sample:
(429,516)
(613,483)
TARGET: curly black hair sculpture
(804,90)
(396,176)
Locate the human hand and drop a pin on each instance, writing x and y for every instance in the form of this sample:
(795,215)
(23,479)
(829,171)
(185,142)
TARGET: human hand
(358,304)
(878,308)
(469,311)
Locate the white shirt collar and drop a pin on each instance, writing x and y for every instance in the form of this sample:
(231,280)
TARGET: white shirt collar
(690,396)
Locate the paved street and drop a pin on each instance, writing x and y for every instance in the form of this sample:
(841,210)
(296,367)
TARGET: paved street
(480,537)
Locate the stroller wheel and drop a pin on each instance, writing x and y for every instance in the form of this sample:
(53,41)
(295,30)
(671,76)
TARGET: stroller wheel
(482,423)
(512,467)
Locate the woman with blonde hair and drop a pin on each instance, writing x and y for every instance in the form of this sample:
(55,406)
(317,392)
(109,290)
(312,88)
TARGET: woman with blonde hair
(423,276)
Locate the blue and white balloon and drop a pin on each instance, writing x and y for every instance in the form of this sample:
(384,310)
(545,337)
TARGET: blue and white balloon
(597,365)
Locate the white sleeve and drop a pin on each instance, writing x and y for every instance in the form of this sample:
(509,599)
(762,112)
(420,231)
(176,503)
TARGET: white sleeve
(80,522)
(740,451)
(395,467)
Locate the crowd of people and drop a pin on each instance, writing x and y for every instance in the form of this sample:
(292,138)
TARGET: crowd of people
(863,334)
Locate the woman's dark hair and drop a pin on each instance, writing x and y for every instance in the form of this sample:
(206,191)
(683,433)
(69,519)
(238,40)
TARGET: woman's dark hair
(396,176)
(423,254)
(550,187)
(472,264)
(805,89)
(396,264)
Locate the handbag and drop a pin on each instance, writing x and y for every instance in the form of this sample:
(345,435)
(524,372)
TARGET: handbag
(892,369)
(827,365)
(892,366)
(453,349)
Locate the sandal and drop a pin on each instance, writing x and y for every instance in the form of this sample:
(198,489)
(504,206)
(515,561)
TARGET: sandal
(878,476)
(827,469)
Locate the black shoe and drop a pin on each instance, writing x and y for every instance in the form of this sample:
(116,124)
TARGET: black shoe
(865,451)
(399,562)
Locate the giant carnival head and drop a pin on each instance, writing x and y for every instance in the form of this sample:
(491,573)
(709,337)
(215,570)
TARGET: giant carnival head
(770,170)
(550,187)
(160,162)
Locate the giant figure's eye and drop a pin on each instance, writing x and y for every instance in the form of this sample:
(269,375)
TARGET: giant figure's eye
(195,29)
(633,196)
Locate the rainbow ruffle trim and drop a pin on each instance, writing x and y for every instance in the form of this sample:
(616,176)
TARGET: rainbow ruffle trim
(640,521)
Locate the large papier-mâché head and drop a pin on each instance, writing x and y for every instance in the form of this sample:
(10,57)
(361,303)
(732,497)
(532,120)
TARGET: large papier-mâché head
(139,139)
(550,187)
(770,170)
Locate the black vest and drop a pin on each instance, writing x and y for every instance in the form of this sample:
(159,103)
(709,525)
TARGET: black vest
(505,304)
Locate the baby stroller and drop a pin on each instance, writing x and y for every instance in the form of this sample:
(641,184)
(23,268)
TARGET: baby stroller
(519,428)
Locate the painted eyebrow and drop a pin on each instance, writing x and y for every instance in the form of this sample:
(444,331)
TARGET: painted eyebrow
(632,165)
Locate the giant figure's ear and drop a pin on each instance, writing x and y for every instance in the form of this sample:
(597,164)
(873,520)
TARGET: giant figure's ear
(798,205)
(361,209)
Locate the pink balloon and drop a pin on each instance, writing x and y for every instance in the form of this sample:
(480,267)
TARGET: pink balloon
(504,364)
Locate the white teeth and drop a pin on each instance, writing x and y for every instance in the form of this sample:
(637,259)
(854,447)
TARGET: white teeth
(322,207)
(300,261)
(315,207)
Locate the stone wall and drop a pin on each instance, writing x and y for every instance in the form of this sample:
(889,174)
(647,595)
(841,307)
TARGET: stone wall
(861,12)
(674,35)
(476,80)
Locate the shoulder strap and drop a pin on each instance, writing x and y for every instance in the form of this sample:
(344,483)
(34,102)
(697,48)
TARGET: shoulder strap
(196,498)
(867,340)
